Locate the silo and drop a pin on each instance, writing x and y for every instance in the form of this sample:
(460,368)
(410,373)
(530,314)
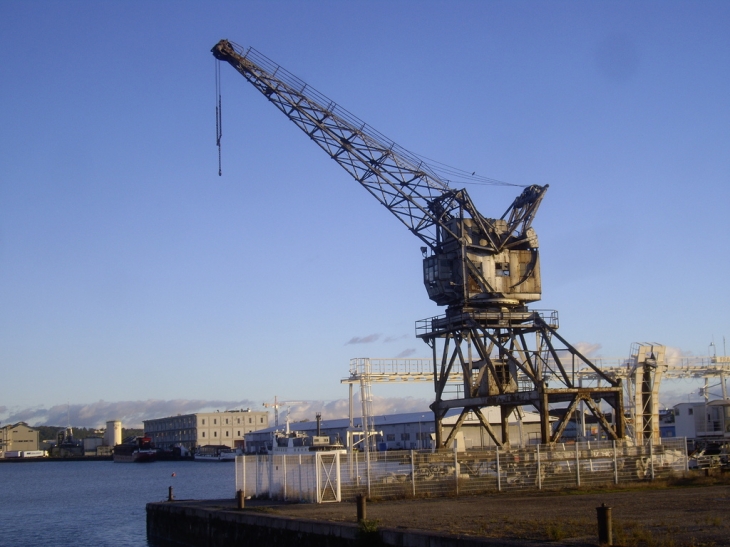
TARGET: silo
(113,435)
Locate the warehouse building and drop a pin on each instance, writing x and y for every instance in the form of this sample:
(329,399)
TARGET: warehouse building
(14,438)
(193,430)
(413,430)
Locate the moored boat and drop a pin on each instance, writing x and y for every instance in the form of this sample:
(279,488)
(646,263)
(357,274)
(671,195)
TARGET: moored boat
(135,450)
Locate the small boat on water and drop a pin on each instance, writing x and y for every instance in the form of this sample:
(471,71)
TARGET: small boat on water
(217,453)
(135,450)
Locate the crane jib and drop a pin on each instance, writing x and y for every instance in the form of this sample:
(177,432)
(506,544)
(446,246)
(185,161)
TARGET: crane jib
(475,261)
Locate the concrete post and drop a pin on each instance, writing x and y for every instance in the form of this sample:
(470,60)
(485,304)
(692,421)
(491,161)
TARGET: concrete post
(170,495)
(499,478)
(283,466)
(413,473)
(240,499)
(651,458)
(456,467)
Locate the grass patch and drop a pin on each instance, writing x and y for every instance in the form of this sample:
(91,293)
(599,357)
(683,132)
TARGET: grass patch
(697,478)
(633,534)
(555,531)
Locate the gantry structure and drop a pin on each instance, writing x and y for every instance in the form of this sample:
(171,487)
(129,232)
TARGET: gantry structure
(642,374)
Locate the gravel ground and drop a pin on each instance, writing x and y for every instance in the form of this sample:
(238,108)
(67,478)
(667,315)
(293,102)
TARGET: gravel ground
(677,516)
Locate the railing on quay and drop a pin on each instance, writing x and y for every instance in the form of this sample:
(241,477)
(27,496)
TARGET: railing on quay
(320,477)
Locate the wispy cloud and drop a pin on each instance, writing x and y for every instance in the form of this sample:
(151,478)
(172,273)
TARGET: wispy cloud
(674,356)
(131,413)
(588,349)
(389,339)
(406,353)
(339,408)
(393,405)
(369,339)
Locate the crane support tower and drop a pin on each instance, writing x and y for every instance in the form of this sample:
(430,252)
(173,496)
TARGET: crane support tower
(484,270)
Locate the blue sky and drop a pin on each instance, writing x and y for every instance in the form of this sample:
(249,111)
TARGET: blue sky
(129,271)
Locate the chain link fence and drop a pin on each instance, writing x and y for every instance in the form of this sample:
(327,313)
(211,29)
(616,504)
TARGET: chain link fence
(335,476)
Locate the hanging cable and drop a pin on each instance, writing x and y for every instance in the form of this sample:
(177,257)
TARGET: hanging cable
(218,113)
(446,170)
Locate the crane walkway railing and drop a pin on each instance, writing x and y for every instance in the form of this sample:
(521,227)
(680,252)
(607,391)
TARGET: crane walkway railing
(489,319)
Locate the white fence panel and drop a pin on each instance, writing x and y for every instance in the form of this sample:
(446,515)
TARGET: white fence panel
(322,476)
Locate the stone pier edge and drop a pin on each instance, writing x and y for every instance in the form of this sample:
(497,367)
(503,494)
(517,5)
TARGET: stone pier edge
(194,525)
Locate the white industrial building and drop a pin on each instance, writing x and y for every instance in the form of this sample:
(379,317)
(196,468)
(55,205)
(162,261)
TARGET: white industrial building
(193,430)
(413,430)
(703,421)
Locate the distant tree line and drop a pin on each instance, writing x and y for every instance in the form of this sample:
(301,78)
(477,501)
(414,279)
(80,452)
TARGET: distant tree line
(50,432)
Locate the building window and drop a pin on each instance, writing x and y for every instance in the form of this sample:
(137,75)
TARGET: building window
(203,433)
(215,433)
(405,436)
(262,420)
(226,433)
(390,437)
(249,420)
(215,421)
(239,420)
(691,411)
(239,433)
(226,421)
(203,421)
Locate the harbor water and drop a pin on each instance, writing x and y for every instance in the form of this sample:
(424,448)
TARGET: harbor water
(98,503)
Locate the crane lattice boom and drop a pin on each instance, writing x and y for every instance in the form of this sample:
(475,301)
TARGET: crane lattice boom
(475,261)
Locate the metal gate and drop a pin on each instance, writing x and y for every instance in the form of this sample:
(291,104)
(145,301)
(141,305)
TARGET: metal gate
(328,477)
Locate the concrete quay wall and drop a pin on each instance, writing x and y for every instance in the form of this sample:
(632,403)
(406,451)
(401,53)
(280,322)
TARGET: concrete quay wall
(201,524)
